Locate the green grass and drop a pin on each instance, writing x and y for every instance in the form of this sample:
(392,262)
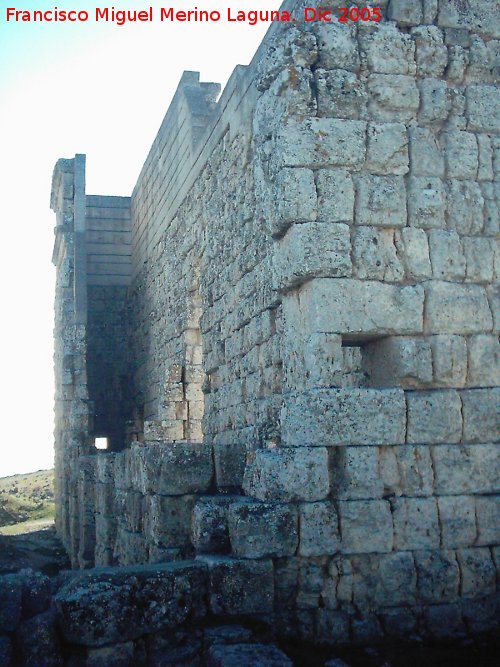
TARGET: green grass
(26,502)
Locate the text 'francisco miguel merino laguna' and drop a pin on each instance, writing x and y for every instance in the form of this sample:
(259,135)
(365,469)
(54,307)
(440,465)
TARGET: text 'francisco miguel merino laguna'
(121,17)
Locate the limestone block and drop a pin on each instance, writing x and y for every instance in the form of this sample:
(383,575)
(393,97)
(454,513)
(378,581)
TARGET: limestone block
(398,361)
(310,250)
(438,576)
(447,255)
(494,302)
(388,50)
(435,101)
(105,531)
(333,417)
(426,156)
(387,150)
(335,195)
(457,309)
(184,467)
(480,16)
(105,468)
(319,531)
(457,517)
(465,207)
(483,108)
(139,600)
(337,46)
(321,142)
(355,473)
(426,202)
(466,469)
(209,531)
(365,526)
(488,520)
(38,641)
(431,53)
(405,12)
(119,654)
(316,361)
(383,579)
(481,412)
(357,308)
(461,155)
(167,520)
(288,474)
(380,201)
(340,94)
(449,358)
(229,591)
(413,247)
(415,470)
(296,197)
(416,523)
(235,655)
(399,622)
(479,256)
(257,530)
(104,499)
(166,429)
(374,255)
(478,572)
(458,59)
(434,417)
(484,361)
(392,97)
(333,623)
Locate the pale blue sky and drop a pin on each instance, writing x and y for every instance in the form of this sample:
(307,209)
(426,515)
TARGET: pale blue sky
(64,89)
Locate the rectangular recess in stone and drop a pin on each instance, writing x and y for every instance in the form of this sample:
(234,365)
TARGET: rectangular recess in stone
(331,417)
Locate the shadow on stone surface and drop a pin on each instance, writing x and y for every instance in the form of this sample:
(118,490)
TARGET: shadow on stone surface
(40,550)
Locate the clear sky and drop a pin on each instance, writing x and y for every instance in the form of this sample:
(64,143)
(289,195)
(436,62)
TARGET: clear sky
(98,89)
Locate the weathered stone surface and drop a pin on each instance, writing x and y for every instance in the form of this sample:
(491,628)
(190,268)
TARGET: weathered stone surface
(447,255)
(413,247)
(239,587)
(37,590)
(483,108)
(333,417)
(236,655)
(481,411)
(426,202)
(381,201)
(355,473)
(392,97)
(456,309)
(365,526)
(374,255)
(167,520)
(480,16)
(209,531)
(449,359)
(296,196)
(10,602)
(288,474)
(118,655)
(38,641)
(387,149)
(137,600)
(416,523)
(478,572)
(488,520)
(185,467)
(348,306)
(416,475)
(434,417)
(335,195)
(258,530)
(398,361)
(319,531)
(457,516)
(341,94)
(466,468)
(311,250)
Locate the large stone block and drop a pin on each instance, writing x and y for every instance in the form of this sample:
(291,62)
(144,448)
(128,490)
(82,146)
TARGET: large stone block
(449,359)
(438,576)
(457,309)
(178,468)
(426,156)
(288,474)
(481,411)
(447,255)
(416,476)
(416,524)
(375,256)
(355,473)
(365,526)
(434,417)
(381,201)
(413,248)
(457,516)
(484,361)
(398,361)
(111,605)
(488,520)
(209,531)
(167,520)
(479,16)
(296,196)
(387,150)
(311,250)
(38,641)
(392,97)
(258,530)
(335,195)
(388,50)
(319,530)
(333,417)
(461,155)
(358,308)
(239,587)
(10,602)
(465,207)
(321,142)
(478,572)
(341,94)
(426,202)
(466,469)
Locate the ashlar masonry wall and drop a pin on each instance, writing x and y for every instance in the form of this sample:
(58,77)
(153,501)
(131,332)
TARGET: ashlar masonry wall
(303,337)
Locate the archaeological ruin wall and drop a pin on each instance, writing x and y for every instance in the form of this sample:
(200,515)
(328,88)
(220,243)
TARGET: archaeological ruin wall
(288,334)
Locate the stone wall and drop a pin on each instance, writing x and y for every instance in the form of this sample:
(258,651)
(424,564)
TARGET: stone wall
(304,348)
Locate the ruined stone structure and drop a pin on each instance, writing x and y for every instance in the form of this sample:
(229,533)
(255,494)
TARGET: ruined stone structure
(288,334)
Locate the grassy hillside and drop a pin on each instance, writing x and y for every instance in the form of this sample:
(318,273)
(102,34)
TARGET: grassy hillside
(26,501)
